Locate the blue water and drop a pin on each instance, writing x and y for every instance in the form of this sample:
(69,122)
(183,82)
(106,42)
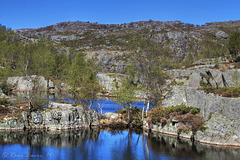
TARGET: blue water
(86,144)
(108,105)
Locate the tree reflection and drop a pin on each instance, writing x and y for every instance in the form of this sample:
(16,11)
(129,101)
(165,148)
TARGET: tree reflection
(111,144)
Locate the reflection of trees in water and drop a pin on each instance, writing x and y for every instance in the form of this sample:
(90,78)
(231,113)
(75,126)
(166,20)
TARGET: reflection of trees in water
(171,146)
(37,138)
(185,149)
(114,144)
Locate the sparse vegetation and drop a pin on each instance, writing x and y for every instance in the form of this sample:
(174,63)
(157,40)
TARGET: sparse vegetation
(223,91)
(187,117)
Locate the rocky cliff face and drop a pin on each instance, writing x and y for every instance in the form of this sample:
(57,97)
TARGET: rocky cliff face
(208,103)
(192,77)
(56,117)
(106,42)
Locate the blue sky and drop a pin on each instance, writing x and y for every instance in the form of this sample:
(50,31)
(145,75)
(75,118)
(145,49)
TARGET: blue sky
(40,13)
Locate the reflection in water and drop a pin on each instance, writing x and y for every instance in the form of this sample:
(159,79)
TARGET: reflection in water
(106,144)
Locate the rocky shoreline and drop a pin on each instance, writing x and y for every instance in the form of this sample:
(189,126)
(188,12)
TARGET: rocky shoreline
(57,116)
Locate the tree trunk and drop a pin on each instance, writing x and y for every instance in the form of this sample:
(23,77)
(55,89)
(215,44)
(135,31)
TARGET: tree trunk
(147,108)
(143,109)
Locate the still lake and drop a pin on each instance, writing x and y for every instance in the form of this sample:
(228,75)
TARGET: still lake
(96,144)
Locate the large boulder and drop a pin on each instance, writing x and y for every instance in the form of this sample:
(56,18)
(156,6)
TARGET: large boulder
(221,35)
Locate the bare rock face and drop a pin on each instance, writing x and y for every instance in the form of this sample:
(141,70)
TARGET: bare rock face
(108,81)
(11,123)
(221,35)
(58,116)
(228,78)
(111,61)
(28,82)
(220,130)
(208,103)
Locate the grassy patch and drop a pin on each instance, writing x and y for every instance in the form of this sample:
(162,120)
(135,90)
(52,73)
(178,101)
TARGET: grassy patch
(223,91)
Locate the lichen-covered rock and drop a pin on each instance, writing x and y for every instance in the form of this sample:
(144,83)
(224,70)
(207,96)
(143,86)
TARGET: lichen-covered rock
(208,103)
(11,123)
(231,77)
(57,116)
(168,128)
(222,114)
(220,130)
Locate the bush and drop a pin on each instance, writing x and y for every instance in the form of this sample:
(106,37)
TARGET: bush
(4,102)
(157,113)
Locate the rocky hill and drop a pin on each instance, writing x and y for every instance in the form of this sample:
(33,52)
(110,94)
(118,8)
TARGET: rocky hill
(116,43)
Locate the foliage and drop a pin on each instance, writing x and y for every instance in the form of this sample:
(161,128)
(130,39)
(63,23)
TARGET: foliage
(187,117)
(234,44)
(202,83)
(82,79)
(32,58)
(157,113)
(4,102)
(125,92)
(37,96)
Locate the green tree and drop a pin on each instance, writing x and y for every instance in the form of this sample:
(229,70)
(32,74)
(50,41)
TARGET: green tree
(125,93)
(82,78)
(234,44)
(62,65)
(150,71)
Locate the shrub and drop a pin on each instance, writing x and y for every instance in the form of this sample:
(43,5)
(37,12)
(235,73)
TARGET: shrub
(157,113)
(4,102)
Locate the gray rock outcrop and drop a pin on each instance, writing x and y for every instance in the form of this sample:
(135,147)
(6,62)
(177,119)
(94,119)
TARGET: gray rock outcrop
(221,35)
(56,117)
(222,115)
(208,103)
(228,78)
(220,130)
(28,82)
(108,80)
